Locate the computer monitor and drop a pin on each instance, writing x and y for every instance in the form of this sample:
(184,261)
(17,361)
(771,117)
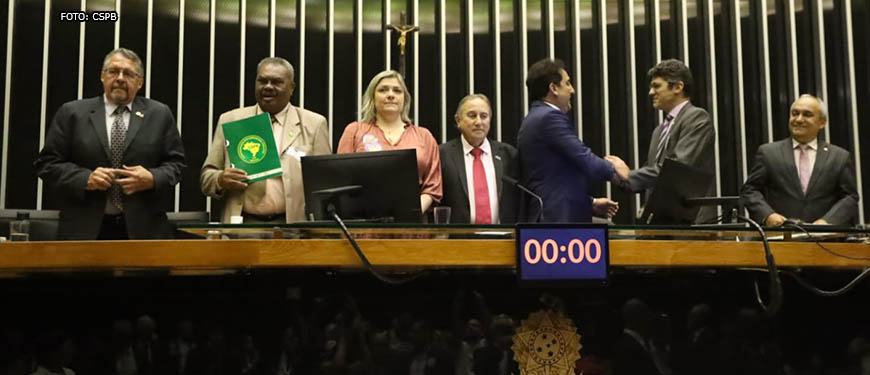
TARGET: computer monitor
(676,183)
(379,185)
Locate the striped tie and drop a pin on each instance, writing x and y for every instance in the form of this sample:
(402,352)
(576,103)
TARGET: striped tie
(663,139)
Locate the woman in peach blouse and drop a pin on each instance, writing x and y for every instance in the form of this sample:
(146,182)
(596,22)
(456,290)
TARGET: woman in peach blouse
(385,125)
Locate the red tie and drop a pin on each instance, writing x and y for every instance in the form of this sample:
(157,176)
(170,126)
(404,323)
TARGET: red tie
(483,215)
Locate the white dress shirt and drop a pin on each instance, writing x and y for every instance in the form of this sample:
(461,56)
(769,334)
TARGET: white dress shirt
(489,168)
(110,116)
(811,152)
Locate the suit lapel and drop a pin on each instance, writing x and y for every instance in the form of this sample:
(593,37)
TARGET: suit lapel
(98,120)
(822,154)
(137,117)
(674,128)
(787,154)
(290,131)
(458,159)
(499,166)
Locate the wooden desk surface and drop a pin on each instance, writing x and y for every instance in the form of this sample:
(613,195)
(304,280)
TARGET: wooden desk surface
(216,254)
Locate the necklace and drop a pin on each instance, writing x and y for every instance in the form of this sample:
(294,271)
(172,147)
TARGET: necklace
(393,133)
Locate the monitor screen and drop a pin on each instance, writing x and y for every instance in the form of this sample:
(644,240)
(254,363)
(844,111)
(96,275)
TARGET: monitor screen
(675,184)
(364,185)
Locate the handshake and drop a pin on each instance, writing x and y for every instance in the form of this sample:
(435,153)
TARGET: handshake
(604,207)
(621,170)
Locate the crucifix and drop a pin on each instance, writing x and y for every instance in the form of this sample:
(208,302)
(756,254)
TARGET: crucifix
(403,29)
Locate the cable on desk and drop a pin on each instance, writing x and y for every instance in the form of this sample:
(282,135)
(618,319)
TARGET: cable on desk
(819,244)
(365,260)
(775,294)
(817,290)
(829,293)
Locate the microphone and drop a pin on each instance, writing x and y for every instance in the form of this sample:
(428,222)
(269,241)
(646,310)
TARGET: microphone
(516,183)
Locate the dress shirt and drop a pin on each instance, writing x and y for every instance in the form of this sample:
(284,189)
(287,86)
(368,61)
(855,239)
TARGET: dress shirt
(272,201)
(110,116)
(552,105)
(813,146)
(489,168)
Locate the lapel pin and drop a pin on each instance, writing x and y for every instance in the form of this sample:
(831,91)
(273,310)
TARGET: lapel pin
(140,114)
(498,157)
(826,148)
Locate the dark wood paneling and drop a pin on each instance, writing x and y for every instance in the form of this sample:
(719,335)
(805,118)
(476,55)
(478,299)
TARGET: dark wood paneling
(63,74)
(512,86)
(457,61)
(861,35)
(316,69)
(194,114)
(24,111)
(287,36)
(726,91)
(430,70)
(345,95)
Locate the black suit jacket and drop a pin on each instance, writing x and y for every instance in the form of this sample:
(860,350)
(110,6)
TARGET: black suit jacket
(773,185)
(455,181)
(630,358)
(77,143)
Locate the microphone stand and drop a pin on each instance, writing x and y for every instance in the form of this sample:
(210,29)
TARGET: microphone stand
(516,183)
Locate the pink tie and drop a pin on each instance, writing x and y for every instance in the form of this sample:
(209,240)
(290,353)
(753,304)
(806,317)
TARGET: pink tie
(804,168)
(483,215)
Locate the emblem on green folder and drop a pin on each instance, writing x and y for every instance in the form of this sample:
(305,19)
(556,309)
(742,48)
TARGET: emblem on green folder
(252,149)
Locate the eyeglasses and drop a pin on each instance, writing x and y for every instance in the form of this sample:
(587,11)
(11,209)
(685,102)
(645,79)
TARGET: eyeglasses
(115,72)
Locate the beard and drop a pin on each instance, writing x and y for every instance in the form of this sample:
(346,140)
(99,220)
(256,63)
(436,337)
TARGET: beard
(119,95)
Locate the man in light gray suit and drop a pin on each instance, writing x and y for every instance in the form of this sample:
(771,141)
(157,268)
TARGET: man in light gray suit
(802,177)
(298,132)
(686,134)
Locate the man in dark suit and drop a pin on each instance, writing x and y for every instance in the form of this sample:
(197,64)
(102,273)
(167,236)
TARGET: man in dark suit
(114,159)
(632,354)
(554,163)
(801,177)
(472,168)
(686,134)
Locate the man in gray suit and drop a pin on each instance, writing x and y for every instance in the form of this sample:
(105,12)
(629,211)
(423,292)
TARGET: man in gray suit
(801,177)
(686,134)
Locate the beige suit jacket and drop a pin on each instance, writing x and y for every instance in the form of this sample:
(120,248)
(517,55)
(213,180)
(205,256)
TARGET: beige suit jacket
(305,131)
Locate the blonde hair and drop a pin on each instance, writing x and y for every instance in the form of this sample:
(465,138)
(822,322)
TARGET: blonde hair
(368,111)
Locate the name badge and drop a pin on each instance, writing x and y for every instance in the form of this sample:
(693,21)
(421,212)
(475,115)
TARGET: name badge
(294,153)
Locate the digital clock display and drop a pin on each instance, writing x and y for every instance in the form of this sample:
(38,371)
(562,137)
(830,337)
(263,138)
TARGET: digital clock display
(562,253)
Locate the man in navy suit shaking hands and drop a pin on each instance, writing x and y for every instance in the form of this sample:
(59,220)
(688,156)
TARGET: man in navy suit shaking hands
(554,163)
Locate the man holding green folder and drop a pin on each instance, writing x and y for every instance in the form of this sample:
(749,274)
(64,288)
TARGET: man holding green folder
(259,198)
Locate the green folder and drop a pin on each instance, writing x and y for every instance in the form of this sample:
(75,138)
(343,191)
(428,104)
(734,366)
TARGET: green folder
(251,147)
